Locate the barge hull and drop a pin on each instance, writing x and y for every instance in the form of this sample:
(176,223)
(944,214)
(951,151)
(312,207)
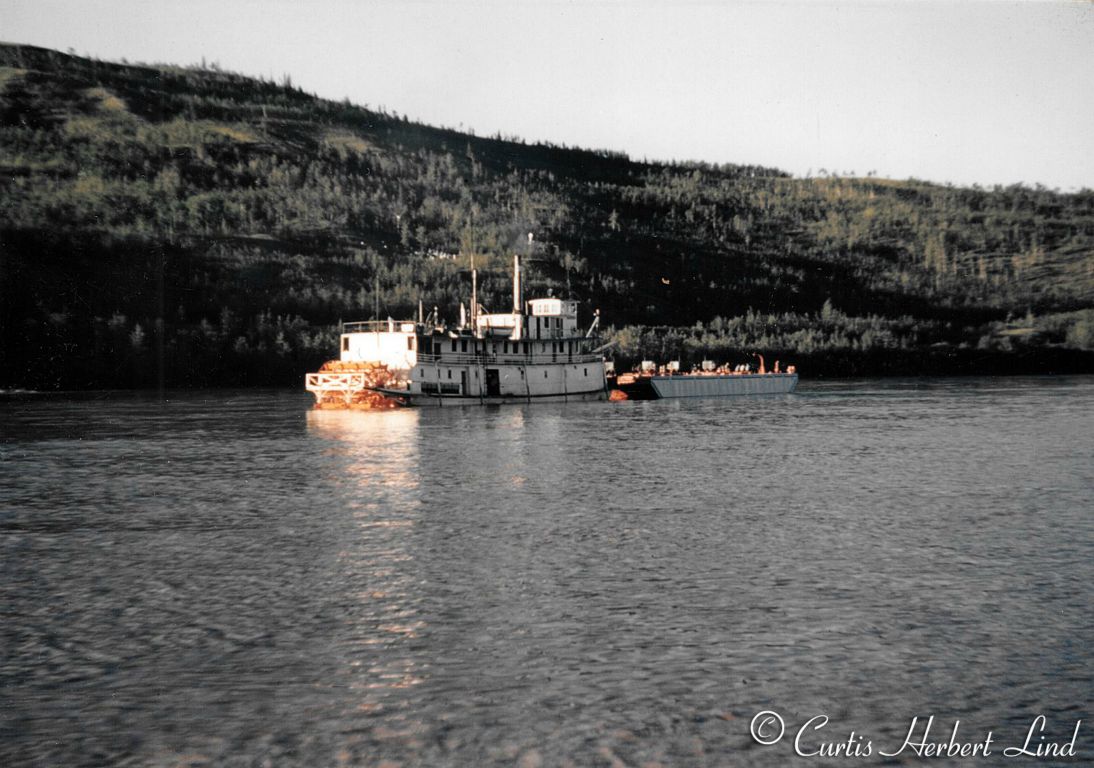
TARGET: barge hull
(723,386)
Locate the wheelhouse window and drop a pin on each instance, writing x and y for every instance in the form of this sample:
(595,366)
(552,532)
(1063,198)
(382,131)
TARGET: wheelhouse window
(345,343)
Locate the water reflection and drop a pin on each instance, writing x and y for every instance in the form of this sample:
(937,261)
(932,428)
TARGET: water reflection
(381,444)
(376,464)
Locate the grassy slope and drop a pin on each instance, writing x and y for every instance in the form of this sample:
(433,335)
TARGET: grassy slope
(251,217)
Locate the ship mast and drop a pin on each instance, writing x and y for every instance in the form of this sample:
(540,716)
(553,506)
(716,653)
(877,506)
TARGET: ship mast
(469,244)
(474,298)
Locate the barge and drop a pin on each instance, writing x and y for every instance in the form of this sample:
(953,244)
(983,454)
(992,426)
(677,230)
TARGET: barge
(653,382)
(631,386)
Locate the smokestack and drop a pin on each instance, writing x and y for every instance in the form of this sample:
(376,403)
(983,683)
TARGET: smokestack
(516,284)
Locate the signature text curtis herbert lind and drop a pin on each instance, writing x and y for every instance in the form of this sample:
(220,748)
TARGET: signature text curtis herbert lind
(767,729)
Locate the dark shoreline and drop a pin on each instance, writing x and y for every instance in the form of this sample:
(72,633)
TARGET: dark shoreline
(945,362)
(936,362)
(144,393)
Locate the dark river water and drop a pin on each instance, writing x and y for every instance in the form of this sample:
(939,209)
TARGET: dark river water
(231,578)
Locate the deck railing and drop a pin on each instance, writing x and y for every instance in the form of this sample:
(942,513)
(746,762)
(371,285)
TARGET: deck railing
(516,358)
(324,382)
(375,326)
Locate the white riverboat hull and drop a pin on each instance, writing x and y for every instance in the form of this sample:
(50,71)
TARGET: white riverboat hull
(419,399)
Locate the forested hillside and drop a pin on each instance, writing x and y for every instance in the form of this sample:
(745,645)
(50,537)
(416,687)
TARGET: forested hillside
(216,228)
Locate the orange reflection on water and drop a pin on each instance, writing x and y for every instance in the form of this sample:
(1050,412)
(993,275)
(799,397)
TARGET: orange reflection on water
(377,464)
(382,445)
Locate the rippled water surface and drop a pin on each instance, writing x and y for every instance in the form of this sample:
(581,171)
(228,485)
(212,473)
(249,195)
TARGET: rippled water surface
(234,579)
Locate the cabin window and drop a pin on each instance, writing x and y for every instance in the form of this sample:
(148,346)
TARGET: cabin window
(345,343)
(586,371)
(505,347)
(463,345)
(453,345)
(421,373)
(450,373)
(545,374)
(527,346)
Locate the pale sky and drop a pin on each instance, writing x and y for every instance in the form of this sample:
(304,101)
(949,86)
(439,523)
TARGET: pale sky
(961,92)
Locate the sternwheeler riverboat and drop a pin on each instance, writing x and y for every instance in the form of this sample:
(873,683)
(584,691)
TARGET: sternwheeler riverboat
(535,353)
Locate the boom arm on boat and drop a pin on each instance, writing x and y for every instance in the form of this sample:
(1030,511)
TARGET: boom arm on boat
(596,322)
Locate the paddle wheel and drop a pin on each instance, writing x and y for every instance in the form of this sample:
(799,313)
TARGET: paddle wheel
(340,385)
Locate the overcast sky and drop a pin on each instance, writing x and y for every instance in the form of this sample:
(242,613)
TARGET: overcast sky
(969,92)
